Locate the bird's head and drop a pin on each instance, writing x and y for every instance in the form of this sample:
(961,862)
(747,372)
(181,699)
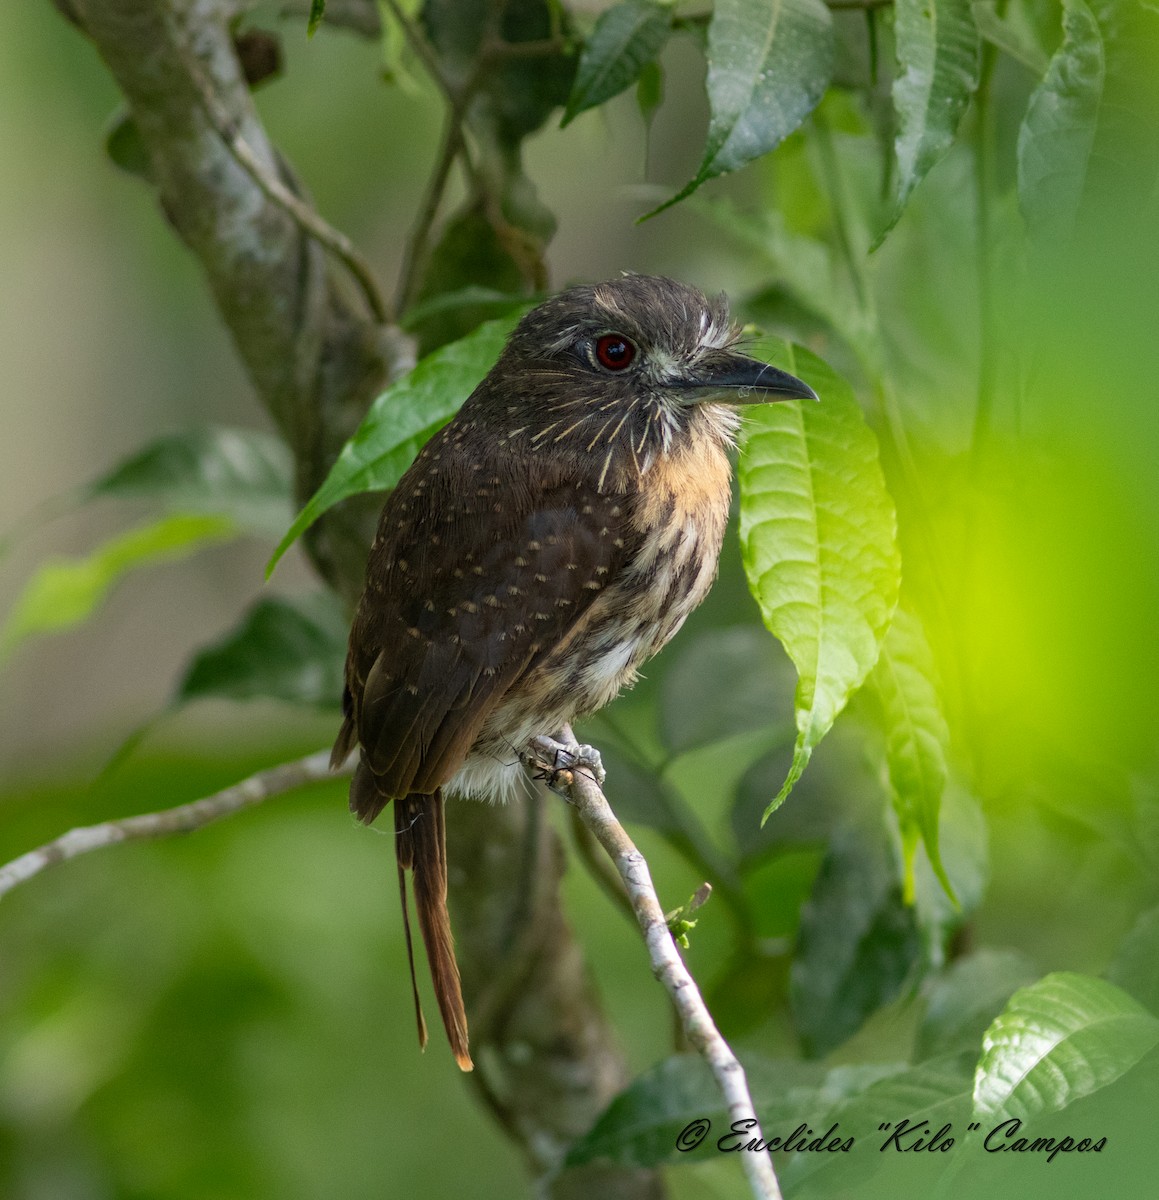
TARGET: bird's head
(637,364)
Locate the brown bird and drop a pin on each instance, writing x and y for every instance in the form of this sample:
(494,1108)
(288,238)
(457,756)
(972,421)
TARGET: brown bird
(542,546)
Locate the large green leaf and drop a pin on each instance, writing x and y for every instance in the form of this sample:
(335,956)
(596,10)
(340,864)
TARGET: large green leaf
(1088,140)
(624,41)
(643,1125)
(282,649)
(921,1099)
(966,997)
(857,944)
(401,420)
(65,593)
(916,739)
(939,56)
(769,63)
(1058,1040)
(240,472)
(1058,133)
(817,530)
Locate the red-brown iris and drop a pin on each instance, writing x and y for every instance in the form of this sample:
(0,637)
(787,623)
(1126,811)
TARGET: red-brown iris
(614,351)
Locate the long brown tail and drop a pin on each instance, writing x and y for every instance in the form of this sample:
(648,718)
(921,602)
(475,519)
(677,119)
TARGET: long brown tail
(420,841)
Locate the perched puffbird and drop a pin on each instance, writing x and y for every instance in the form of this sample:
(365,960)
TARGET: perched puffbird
(543,545)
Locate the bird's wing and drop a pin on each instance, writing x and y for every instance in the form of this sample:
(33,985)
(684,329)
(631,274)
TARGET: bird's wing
(466,590)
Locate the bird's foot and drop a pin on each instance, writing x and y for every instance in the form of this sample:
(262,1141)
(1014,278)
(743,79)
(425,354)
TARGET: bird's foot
(551,761)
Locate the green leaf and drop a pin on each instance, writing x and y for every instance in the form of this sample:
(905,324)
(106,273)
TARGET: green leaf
(624,41)
(125,146)
(642,1124)
(488,301)
(65,593)
(817,531)
(291,650)
(1135,967)
(1087,144)
(519,91)
(470,256)
(650,91)
(1058,133)
(401,420)
(1019,43)
(395,45)
(939,56)
(768,67)
(750,990)
(916,739)
(241,473)
(722,683)
(963,843)
(841,780)
(857,944)
(317,12)
(238,473)
(1057,1041)
(966,997)
(936,1092)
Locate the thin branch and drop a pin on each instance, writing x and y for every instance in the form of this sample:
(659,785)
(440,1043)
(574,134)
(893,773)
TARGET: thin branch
(414,258)
(499,49)
(458,97)
(598,867)
(592,805)
(307,218)
(265,785)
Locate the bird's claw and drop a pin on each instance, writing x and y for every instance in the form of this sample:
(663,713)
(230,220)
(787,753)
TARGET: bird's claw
(550,761)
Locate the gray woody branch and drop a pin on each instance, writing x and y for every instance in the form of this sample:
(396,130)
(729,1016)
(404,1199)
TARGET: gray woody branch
(548,1061)
(594,811)
(502,1017)
(314,358)
(183,819)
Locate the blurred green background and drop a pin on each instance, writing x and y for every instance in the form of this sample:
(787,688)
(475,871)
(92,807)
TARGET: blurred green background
(226,1016)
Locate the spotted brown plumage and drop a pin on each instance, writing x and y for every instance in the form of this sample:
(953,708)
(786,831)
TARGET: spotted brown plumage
(542,546)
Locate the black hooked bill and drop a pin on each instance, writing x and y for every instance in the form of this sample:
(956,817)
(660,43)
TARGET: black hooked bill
(751,381)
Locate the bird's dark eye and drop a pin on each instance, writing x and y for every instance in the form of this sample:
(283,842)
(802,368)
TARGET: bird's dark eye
(614,351)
